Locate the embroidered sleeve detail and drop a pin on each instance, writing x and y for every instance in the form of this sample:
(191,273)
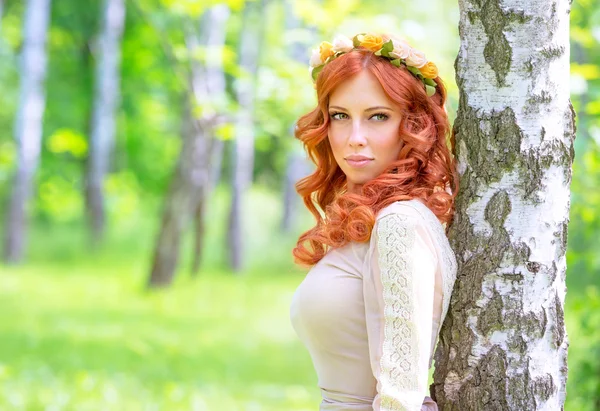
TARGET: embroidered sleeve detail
(399,363)
(408,248)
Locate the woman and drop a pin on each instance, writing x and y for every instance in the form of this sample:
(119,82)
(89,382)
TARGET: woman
(371,307)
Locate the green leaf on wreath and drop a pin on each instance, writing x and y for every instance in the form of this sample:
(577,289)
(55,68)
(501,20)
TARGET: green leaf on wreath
(414,70)
(316,71)
(388,47)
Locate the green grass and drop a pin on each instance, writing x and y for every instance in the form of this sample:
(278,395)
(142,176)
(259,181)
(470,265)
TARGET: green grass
(80,332)
(92,339)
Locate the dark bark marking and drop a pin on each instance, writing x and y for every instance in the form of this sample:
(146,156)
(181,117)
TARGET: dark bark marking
(491,317)
(559,327)
(544,387)
(497,51)
(490,372)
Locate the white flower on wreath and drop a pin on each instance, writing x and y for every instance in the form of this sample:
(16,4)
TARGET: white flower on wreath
(342,44)
(415,58)
(401,49)
(315,58)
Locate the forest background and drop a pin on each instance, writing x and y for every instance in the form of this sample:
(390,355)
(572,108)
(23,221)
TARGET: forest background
(81,330)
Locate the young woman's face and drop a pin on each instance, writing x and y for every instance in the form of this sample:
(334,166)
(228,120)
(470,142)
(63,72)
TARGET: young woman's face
(363,129)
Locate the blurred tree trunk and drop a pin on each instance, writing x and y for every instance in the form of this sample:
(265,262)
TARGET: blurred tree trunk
(186,198)
(215,85)
(218,152)
(188,180)
(503,345)
(106,100)
(296,163)
(243,146)
(28,124)
(1,13)
(297,167)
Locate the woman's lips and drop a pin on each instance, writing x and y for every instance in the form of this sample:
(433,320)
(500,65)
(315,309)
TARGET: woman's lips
(358,163)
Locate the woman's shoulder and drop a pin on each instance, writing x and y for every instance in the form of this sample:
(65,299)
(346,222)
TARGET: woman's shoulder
(415,213)
(414,210)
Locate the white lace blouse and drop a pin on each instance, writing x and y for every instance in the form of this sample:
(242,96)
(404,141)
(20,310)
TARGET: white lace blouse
(370,313)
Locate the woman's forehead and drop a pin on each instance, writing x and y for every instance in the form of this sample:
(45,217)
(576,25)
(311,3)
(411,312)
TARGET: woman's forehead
(360,92)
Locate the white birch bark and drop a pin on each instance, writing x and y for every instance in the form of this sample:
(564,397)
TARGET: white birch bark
(216,84)
(1,13)
(243,152)
(215,95)
(504,342)
(297,164)
(28,124)
(106,100)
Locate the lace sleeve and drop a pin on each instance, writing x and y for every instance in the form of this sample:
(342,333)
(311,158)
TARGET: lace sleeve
(399,292)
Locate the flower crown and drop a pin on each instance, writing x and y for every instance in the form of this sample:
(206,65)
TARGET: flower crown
(397,51)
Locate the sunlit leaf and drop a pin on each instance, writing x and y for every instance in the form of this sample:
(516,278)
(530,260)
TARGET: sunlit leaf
(587,71)
(60,199)
(593,108)
(66,140)
(225,131)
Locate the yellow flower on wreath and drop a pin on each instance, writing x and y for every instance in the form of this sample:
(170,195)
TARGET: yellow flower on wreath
(429,70)
(326,50)
(371,42)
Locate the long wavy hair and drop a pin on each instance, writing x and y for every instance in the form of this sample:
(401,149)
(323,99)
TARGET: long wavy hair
(425,167)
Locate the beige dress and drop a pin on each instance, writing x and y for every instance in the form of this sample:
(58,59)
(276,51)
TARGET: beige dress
(370,313)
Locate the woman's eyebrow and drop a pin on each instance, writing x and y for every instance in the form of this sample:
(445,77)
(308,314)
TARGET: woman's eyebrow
(368,109)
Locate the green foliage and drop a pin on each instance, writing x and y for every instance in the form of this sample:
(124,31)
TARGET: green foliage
(583,320)
(582,315)
(59,201)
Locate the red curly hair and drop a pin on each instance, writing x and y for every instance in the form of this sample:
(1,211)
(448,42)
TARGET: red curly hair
(425,168)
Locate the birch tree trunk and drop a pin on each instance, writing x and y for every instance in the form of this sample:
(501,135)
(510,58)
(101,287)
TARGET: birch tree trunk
(187,191)
(216,93)
(243,147)
(297,165)
(504,344)
(28,125)
(188,179)
(1,13)
(106,100)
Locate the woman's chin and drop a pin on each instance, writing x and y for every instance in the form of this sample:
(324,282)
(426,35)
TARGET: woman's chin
(358,182)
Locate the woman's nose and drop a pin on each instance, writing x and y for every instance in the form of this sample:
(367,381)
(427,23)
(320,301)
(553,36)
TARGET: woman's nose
(357,136)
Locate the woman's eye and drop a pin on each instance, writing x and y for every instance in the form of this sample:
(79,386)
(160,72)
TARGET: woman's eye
(338,116)
(380,117)
(344,116)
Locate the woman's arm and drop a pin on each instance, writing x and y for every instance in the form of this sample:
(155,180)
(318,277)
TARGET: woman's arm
(399,297)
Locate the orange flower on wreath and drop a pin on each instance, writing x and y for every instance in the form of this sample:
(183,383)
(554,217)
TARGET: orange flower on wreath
(371,42)
(326,50)
(429,70)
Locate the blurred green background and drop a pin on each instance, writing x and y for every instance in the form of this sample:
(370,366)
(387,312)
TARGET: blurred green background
(79,328)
